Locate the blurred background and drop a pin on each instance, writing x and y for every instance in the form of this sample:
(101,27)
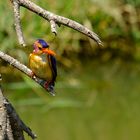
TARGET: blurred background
(97,89)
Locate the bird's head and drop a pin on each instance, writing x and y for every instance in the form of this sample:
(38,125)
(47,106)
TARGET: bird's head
(40,46)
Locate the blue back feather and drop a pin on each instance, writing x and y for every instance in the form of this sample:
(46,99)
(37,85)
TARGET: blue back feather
(54,68)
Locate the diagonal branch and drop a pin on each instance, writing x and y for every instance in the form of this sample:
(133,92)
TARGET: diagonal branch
(56,19)
(16,122)
(15,63)
(2,117)
(11,126)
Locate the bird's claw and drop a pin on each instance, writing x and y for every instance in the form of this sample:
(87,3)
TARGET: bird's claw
(48,86)
(32,75)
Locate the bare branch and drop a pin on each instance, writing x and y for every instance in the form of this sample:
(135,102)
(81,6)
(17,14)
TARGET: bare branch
(16,122)
(11,126)
(2,117)
(18,28)
(52,18)
(23,69)
(9,134)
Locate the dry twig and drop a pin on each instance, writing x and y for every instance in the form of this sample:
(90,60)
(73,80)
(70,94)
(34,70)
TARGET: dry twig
(11,126)
(51,17)
(16,8)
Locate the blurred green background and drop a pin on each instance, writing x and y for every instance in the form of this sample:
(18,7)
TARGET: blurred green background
(97,89)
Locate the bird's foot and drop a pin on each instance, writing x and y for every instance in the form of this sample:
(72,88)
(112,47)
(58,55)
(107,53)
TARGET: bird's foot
(50,87)
(32,75)
(46,84)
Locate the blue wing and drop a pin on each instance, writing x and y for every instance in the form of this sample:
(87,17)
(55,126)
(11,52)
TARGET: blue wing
(54,68)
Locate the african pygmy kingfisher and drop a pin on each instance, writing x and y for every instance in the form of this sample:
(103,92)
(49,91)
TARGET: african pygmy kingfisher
(42,62)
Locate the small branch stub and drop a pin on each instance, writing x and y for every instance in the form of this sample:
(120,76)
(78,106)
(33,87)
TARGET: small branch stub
(53,27)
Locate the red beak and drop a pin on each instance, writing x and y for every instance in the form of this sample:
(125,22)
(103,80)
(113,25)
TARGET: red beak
(46,50)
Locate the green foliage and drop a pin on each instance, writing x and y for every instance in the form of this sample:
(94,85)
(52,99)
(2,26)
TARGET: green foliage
(94,101)
(97,102)
(116,22)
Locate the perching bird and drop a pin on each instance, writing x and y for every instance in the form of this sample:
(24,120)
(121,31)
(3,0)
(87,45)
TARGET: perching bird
(42,62)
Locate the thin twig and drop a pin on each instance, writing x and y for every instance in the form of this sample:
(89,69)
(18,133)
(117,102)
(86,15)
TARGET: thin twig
(15,63)
(58,19)
(18,28)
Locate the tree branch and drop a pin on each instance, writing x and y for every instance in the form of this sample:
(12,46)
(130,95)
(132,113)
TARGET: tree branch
(15,63)
(56,19)
(2,117)
(16,123)
(11,126)
(18,28)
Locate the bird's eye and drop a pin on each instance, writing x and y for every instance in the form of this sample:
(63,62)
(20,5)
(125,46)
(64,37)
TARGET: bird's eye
(40,48)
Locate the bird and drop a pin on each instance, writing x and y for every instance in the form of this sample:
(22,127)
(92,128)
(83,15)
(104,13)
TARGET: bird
(42,62)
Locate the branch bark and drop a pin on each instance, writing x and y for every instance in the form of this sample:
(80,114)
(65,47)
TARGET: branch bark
(2,117)
(53,20)
(11,126)
(18,28)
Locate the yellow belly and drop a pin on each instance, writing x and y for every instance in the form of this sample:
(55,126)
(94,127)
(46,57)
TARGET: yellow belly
(40,67)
